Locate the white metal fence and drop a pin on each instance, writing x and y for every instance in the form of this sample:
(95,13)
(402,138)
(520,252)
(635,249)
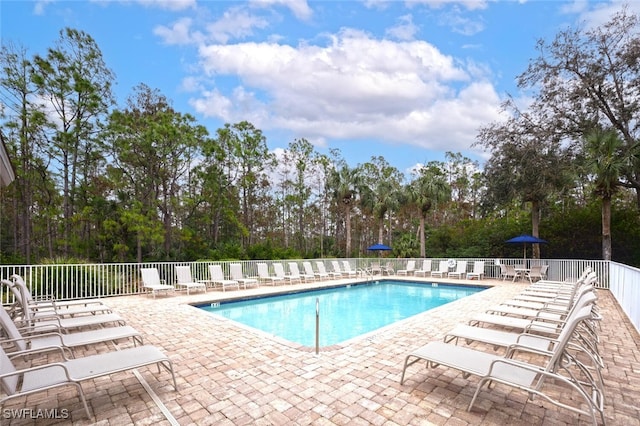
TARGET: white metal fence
(76,281)
(625,287)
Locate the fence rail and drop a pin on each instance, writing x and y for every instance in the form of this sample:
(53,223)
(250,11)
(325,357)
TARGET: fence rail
(77,281)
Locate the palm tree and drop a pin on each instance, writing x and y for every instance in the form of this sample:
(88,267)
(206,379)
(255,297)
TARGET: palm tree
(429,189)
(606,162)
(379,196)
(386,202)
(344,183)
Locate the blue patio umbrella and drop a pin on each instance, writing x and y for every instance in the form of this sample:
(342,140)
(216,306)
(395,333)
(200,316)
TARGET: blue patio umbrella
(525,239)
(379,247)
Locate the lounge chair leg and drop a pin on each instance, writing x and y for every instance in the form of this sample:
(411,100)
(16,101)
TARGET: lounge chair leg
(168,365)
(475,394)
(406,364)
(84,400)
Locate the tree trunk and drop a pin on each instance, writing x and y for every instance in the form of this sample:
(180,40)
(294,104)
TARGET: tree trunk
(423,251)
(606,228)
(139,247)
(348,231)
(535,227)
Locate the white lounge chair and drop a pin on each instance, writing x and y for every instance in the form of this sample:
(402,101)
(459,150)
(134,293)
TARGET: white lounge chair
(278,269)
(263,275)
(558,302)
(337,270)
(553,306)
(425,269)
(72,372)
(294,270)
(235,270)
(308,269)
(56,341)
(478,270)
(518,374)
(62,308)
(508,271)
(25,308)
(217,277)
(544,322)
(568,281)
(322,271)
(375,268)
(560,294)
(501,338)
(346,269)
(64,325)
(461,270)
(152,283)
(537,273)
(185,280)
(43,321)
(409,269)
(388,269)
(443,270)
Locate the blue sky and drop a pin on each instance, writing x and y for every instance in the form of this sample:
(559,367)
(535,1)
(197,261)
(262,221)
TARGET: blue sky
(406,80)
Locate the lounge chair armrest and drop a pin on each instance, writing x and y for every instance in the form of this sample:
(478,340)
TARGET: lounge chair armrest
(43,297)
(46,315)
(35,336)
(35,327)
(528,336)
(521,347)
(43,349)
(540,319)
(27,330)
(541,312)
(551,328)
(36,368)
(51,305)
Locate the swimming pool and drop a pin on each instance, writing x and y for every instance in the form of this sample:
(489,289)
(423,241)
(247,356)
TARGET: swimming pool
(345,312)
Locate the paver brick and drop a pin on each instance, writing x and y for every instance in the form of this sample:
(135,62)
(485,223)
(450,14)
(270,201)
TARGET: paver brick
(229,374)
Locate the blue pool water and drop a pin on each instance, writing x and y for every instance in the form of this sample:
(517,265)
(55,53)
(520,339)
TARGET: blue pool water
(345,312)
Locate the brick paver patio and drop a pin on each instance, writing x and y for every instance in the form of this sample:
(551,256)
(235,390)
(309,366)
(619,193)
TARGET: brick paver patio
(230,375)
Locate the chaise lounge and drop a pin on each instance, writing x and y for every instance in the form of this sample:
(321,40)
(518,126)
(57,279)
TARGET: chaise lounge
(18,382)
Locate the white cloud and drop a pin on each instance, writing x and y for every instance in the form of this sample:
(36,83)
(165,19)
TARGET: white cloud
(178,33)
(575,6)
(191,84)
(40,5)
(404,30)
(173,5)
(300,8)
(461,24)
(235,23)
(354,87)
(601,13)
(437,4)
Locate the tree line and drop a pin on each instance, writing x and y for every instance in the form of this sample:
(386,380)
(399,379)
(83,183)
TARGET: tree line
(141,181)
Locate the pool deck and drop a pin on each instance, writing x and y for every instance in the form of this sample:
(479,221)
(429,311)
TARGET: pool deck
(231,375)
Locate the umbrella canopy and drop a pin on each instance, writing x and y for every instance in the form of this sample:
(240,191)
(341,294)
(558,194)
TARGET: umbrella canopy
(379,247)
(524,239)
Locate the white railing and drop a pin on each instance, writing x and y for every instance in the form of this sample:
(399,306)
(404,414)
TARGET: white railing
(625,287)
(77,281)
